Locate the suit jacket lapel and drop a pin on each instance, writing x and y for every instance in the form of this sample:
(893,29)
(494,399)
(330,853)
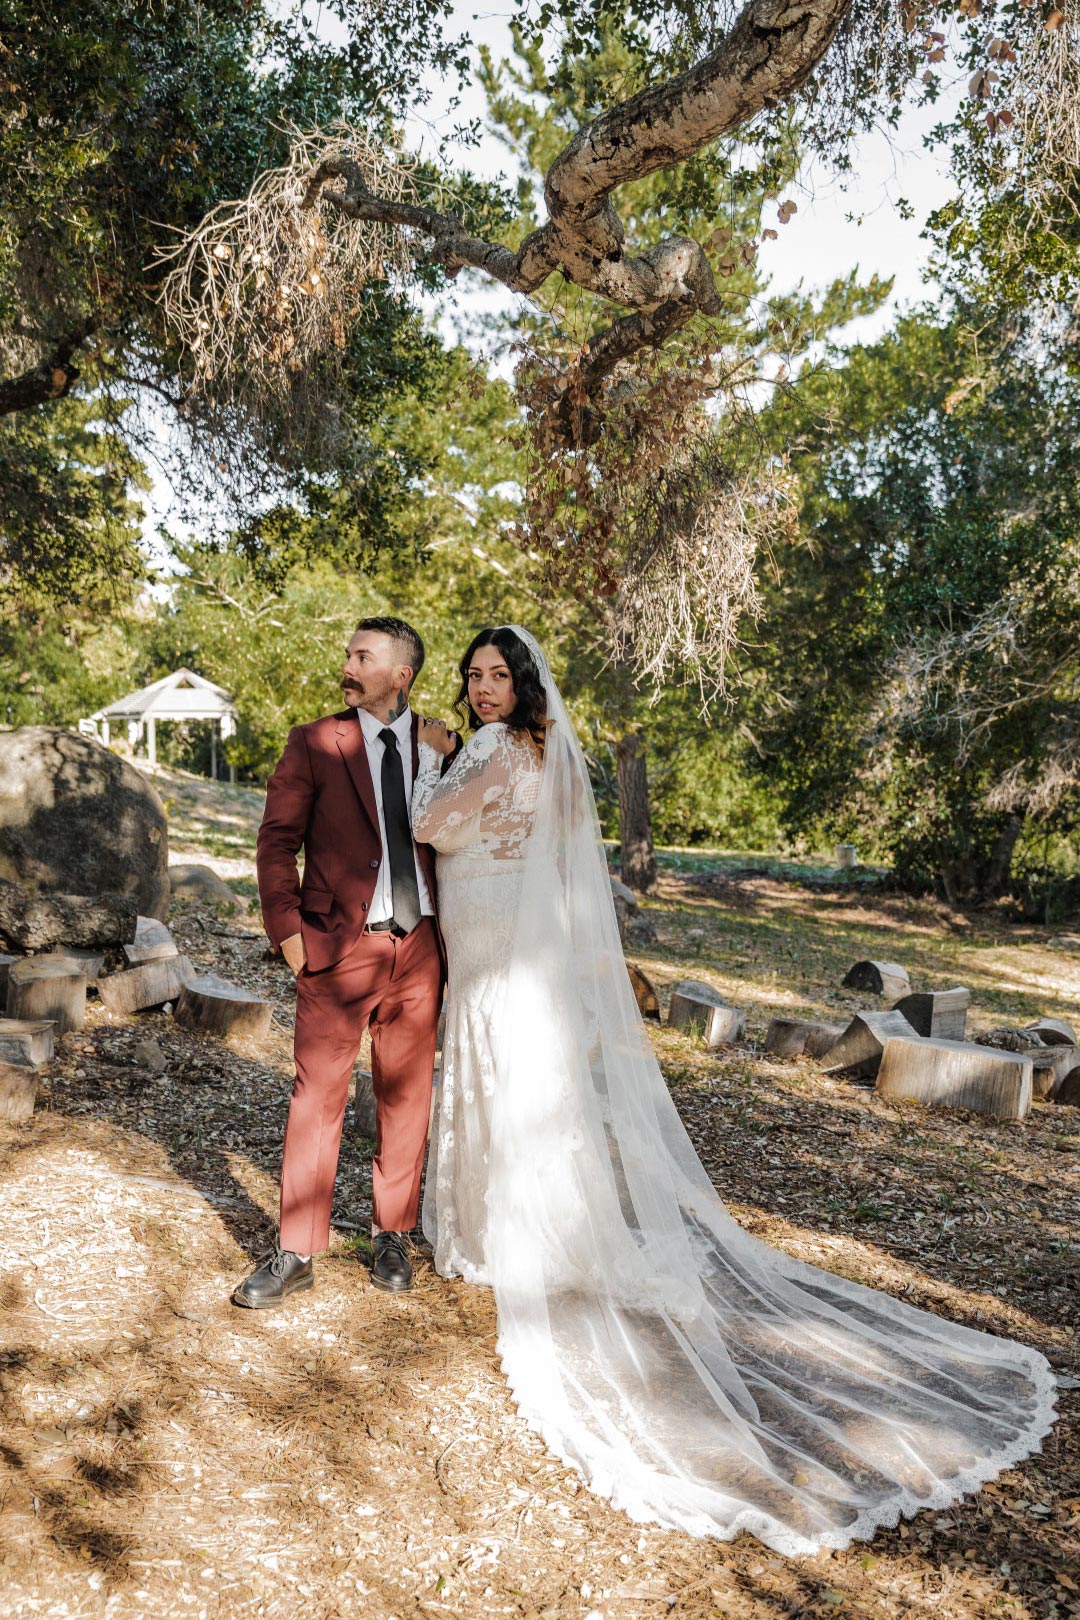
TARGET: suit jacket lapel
(353,749)
(415,745)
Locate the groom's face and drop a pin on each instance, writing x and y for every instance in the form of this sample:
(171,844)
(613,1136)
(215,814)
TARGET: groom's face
(373,676)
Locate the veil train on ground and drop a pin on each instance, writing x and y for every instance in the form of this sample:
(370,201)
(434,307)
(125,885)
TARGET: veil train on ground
(698,1378)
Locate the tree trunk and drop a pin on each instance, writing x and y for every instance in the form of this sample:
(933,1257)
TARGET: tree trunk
(997,873)
(635,820)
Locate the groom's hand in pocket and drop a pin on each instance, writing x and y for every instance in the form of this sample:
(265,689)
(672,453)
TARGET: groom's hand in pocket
(292,949)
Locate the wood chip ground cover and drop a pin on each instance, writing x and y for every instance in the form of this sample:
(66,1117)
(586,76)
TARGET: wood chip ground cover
(163,1453)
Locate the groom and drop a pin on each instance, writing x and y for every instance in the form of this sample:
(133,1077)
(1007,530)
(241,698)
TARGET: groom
(359,933)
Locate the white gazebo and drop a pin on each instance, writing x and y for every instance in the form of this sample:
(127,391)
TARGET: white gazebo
(183,695)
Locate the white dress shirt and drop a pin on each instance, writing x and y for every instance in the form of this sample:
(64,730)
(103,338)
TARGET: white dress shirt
(381,908)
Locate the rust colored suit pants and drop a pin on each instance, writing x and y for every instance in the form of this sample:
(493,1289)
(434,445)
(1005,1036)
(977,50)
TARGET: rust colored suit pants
(395,985)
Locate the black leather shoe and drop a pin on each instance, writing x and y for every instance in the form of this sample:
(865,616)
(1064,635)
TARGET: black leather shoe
(282,1273)
(391,1269)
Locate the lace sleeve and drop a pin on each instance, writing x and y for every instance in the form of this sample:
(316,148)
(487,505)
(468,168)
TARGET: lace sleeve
(476,804)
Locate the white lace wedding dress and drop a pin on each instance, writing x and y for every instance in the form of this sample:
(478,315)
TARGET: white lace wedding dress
(696,1376)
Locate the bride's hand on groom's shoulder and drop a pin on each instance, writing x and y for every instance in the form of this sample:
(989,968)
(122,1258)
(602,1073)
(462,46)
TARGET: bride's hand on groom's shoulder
(436,735)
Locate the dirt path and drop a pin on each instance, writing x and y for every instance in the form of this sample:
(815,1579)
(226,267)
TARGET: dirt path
(356,1454)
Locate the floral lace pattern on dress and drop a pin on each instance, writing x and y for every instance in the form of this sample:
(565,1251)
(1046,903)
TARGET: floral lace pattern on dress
(478,818)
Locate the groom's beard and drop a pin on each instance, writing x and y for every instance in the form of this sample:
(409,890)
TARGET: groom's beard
(385,705)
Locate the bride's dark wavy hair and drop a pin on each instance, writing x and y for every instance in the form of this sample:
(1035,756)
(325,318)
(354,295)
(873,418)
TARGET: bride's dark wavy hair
(530,711)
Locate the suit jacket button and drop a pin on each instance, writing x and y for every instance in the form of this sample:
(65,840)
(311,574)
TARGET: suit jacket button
(363,905)
(374,865)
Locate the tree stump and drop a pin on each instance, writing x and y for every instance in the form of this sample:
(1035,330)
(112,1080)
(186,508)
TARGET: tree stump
(18,1091)
(956,1074)
(792,1037)
(634,927)
(26,1042)
(1052,1032)
(89,962)
(859,1049)
(48,986)
(697,1009)
(880,978)
(216,1007)
(364,1105)
(1050,1068)
(152,941)
(148,985)
(1068,1092)
(644,992)
(937,1014)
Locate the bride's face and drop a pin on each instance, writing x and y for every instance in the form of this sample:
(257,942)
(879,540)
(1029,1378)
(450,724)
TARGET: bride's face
(491,686)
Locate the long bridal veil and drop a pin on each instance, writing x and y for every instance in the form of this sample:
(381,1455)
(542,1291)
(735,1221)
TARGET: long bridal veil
(696,1376)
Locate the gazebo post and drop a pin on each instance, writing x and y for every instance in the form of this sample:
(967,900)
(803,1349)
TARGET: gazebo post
(213,750)
(151,739)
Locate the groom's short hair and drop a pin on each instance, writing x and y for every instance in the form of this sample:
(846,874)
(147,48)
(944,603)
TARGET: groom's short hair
(408,639)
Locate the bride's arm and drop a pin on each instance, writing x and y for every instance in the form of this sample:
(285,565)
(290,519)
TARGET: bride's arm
(478,776)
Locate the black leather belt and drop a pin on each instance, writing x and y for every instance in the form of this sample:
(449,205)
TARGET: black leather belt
(385,928)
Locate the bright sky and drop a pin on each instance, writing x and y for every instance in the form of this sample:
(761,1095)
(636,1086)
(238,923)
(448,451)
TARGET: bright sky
(833,232)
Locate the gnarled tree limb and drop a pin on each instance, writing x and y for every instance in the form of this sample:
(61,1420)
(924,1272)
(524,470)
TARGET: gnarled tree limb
(770,52)
(52,378)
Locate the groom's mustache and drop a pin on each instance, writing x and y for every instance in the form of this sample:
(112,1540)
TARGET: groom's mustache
(355,685)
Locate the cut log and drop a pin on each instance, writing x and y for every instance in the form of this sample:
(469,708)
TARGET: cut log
(33,922)
(1012,1040)
(18,1091)
(698,1009)
(152,942)
(216,1007)
(148,985)
(859,1049)
(937,1014)
(1068,1092)
(880,978)
(364,1105)
(48,987)
(634,927)
(956,1074)
(1052,1032)
(26,1041)
(792,1037)
(644,992)
(88,962)
(1049,1069)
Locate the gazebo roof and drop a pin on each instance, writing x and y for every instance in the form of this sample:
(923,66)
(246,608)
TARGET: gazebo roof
(183,695)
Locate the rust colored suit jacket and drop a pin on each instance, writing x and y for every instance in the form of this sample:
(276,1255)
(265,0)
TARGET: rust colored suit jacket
(321,798)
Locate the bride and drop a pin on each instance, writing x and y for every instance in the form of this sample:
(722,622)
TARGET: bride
(694,1375)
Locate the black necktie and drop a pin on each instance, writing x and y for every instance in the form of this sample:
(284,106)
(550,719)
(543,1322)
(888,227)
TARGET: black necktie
(399,843)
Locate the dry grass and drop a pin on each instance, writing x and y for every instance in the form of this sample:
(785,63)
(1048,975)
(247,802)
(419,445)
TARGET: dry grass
(356,1454)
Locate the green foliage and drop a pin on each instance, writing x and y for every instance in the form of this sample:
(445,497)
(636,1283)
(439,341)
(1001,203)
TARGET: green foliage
(904,681)
(68,524)
(121,125)
(54,671)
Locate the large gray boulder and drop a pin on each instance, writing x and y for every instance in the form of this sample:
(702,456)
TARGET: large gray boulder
(32,921)
(76,819)
(192,882)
